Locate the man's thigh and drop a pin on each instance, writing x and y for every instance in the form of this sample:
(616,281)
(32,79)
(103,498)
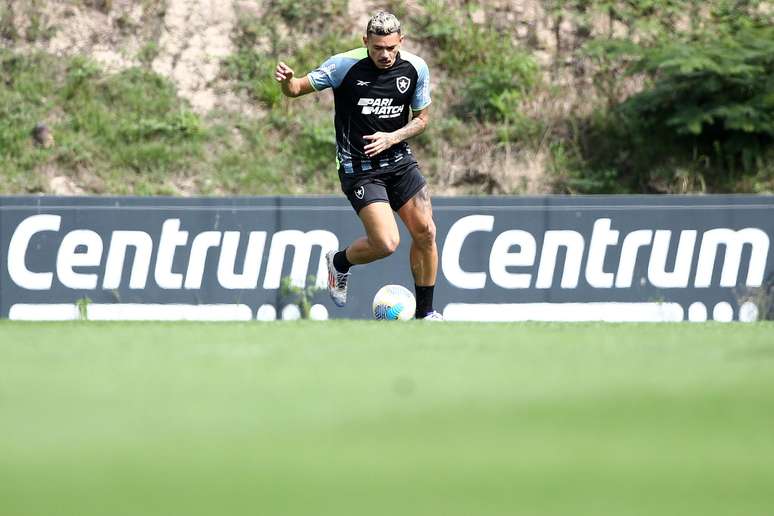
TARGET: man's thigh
(364,191)
(417,213)
(401,188)
(379,222)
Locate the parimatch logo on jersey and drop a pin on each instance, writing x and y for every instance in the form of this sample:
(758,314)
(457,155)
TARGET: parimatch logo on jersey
(382,108)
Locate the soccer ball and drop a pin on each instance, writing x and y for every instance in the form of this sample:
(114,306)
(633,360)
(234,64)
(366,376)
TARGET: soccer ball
(394,303)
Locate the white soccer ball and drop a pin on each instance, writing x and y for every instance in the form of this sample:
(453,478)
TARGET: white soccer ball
(394,303)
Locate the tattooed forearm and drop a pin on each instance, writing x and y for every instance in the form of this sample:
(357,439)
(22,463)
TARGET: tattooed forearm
(379,142)
(416,126)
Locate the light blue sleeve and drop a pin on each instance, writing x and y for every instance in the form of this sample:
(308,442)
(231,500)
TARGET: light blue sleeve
(421,97)
(331,73)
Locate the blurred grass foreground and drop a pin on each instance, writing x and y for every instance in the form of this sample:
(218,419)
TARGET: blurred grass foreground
(350,418)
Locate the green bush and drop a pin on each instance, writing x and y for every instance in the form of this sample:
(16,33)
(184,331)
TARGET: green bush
(260,44)
(705,118)
(309,163)
(129,130)
(132,121)
(27,96)
(307,15)
(495,75)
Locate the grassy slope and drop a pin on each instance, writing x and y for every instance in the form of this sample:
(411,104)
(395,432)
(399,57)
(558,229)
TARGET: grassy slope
(130,134)
(311,418)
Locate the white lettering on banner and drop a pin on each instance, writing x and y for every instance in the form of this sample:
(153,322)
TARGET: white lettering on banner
(84,248)
(302,244)
(679,277)
(631,246)
(252,266)
(171,238)
(450,258)
(17,252)
(552,241)
(603,237)
(733,241)
(513,261)
(119,243)
(500,258)
(69,257)
(198,259)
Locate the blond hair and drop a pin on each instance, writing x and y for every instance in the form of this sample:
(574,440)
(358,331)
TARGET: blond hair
(383,24)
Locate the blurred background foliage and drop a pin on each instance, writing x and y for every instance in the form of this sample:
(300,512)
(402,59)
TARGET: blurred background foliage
(578,96)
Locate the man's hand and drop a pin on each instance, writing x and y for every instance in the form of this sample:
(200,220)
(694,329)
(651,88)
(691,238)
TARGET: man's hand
(291,86)
(380,142)
(283,73)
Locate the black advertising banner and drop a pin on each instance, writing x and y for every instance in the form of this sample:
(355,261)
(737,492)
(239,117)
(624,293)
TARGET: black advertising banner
(579,258)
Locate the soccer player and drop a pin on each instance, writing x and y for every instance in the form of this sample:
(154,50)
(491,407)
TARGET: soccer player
(382,98)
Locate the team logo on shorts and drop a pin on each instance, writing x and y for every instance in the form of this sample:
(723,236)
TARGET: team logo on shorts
(403,83)
(360,193)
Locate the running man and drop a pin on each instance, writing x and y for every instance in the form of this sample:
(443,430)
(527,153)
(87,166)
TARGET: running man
(375,89)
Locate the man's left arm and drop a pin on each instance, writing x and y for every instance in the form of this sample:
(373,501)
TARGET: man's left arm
(380,141)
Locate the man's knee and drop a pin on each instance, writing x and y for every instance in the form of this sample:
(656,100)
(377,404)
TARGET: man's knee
(385,245)
(424,235)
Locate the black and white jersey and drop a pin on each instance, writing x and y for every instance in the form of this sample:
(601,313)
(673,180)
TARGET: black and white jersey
(369,99)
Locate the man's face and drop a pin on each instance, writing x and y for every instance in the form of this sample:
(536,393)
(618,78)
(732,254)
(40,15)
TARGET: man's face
(383,50)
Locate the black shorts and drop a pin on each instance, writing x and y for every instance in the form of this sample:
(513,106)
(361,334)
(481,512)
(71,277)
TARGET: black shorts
(396,187)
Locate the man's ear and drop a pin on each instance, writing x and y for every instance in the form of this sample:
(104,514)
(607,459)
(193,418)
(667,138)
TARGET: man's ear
(365,41)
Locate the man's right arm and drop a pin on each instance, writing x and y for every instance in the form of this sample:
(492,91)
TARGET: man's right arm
(291,86)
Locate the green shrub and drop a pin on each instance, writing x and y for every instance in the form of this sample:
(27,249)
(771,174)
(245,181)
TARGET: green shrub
(260,45)
(309,163)
(308,15)
(130,129)
(27,93)
(8,30)
(705,118)
(300,296)
(495,75)
(132,120)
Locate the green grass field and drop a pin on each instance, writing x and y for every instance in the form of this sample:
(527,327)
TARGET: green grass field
(363,418)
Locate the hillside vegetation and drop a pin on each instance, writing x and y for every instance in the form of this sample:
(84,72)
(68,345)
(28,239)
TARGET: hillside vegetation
(581,96)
